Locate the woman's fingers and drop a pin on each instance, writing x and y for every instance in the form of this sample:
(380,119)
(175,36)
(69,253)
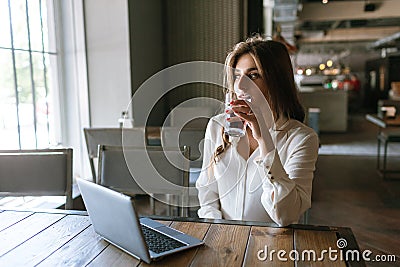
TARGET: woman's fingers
(240,106)
(246,117)
(239,102)
(244,110)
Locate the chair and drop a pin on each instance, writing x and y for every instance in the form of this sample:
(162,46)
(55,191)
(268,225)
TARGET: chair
(111,136)
(386,136)
(146,170)
(305,217)
(194,139)
(42,172)
(192,117)
(191,137)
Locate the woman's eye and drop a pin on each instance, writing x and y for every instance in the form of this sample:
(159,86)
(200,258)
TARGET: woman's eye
(254,76)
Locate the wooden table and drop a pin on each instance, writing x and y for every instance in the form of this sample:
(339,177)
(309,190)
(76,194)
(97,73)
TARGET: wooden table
(57,237)
(383,122)
(388,131)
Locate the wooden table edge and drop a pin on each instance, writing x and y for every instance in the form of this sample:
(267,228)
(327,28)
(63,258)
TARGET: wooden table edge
(191,219)
(51,211)
(186,219)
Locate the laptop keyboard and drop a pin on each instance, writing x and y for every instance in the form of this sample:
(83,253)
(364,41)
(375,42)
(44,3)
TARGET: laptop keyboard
(158,242)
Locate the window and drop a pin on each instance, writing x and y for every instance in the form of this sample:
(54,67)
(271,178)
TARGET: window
(28,67)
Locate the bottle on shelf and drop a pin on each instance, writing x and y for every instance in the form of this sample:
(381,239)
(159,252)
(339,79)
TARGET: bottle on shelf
(124,121)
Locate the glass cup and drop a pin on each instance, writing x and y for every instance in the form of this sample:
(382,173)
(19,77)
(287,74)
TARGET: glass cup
(234,126)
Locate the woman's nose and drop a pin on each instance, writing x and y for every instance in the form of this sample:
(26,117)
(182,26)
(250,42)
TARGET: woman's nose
(242,83)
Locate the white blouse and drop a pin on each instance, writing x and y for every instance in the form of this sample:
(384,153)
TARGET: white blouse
(274,189)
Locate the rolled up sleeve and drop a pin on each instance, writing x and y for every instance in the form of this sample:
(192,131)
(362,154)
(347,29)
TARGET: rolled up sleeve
(287,189)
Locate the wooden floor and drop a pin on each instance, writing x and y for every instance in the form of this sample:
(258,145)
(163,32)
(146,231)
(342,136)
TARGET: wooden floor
(348,191)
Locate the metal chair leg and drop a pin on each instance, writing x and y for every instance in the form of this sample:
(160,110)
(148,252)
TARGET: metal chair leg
(306,216)
(379,154)
(185,205)
(169,205)
(94,179)
(384,159)
(152,204)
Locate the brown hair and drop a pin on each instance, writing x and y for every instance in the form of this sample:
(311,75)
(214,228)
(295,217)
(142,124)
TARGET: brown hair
(273,61)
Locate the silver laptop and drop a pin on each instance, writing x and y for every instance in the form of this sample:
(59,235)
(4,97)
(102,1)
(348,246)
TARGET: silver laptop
(114,218)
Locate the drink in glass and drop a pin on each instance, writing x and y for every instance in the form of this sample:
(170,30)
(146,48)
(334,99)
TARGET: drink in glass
(234,126)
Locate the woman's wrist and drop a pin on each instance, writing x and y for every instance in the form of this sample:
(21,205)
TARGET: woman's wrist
(266,145)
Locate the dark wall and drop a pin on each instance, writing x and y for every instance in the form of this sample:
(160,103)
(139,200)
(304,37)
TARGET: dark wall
(255,17)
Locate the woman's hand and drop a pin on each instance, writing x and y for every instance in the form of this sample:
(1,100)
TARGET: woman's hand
(242,109)
(258,121)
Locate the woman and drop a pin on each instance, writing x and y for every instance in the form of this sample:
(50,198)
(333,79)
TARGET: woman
(267,174)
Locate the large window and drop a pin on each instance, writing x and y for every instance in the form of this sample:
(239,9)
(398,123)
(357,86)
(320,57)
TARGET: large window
(28,87)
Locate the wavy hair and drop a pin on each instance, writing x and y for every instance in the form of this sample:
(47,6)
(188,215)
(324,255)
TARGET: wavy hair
(275,67)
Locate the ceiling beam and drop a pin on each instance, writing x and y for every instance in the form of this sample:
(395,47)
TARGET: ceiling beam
(347,35)
(344,10)
(385,40)
(335,24)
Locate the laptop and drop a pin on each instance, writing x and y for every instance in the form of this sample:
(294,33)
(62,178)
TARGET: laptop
(114,218)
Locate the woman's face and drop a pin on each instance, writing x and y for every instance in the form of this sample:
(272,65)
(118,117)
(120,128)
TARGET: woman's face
(247,78)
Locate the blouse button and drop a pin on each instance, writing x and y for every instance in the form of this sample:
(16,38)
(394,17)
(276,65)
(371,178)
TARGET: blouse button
(272,178)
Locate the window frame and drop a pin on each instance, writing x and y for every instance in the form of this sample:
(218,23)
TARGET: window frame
(49,59)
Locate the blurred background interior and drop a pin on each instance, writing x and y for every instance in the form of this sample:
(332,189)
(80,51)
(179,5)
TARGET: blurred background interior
(67,65)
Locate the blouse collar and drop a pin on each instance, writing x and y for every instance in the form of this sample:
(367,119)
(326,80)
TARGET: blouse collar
(281,123)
